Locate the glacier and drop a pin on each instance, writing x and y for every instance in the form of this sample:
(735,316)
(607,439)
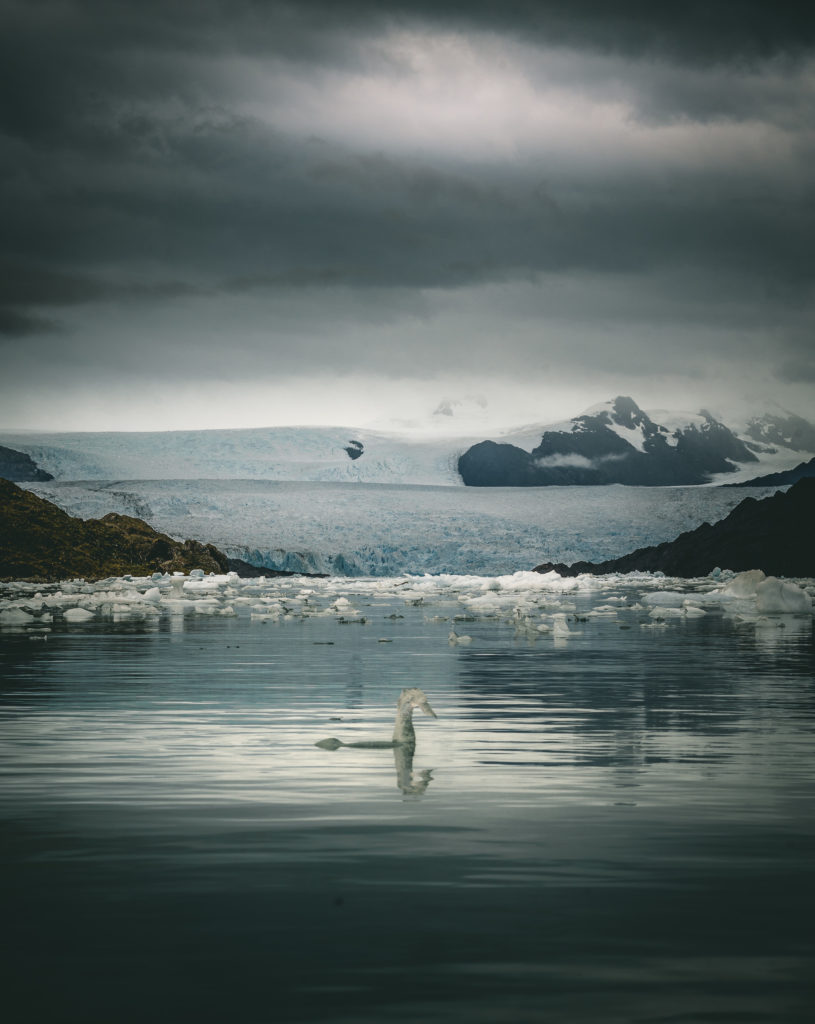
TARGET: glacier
(317,454)
(359,529)
(303,499)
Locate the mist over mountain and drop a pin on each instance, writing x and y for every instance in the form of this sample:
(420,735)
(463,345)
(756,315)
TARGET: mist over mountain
(788,430)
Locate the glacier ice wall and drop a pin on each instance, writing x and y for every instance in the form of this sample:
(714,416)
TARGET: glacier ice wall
(383,530)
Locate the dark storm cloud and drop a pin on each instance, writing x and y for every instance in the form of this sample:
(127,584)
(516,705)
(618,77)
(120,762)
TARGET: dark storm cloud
(15,323)
(64,62)
(696,30)
(135,172)
(31,286)
(284,211)
(23,288)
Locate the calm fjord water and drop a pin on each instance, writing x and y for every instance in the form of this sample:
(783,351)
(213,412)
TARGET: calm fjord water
(613,827)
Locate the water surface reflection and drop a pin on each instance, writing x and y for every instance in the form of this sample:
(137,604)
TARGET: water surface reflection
(618,829)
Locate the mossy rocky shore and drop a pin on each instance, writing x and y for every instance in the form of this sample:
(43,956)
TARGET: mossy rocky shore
(41,542)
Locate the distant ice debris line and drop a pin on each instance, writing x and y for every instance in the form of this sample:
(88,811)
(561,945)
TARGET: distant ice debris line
(527,606)
(384,530)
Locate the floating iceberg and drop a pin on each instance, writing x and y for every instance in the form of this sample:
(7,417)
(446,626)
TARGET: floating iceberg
(745,584)
(77,614)
(774,596)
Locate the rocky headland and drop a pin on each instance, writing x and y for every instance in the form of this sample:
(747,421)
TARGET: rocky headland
(42,543)
(16,465)
(773,534)
(39,541)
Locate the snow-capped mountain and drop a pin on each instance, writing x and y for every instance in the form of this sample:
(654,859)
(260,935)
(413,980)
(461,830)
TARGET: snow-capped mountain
(618,442)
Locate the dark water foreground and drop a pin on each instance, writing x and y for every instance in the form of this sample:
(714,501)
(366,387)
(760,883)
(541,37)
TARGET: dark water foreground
(618,827)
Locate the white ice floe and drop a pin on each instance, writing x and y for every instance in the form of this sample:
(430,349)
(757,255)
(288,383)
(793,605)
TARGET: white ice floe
(15,616)
(530,605)
(745,584)
(752,592)
(77,614)
(673,604)
(684,611)
(692,611)
(774,596)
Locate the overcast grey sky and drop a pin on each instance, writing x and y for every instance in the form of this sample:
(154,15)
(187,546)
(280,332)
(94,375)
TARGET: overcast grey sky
(243,213)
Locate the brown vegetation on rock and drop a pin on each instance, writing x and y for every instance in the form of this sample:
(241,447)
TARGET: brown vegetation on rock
(41,542)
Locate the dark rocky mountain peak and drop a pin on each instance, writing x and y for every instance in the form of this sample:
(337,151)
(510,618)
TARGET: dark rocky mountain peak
(624,411)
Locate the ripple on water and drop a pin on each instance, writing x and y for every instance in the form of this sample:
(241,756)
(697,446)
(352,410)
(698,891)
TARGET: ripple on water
(619,827)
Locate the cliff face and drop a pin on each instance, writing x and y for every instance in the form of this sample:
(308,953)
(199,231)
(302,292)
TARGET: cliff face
(38,541)
(16,465)
(774,534)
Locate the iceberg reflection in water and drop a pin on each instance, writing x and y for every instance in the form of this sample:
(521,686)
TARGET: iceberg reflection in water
(619,825)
